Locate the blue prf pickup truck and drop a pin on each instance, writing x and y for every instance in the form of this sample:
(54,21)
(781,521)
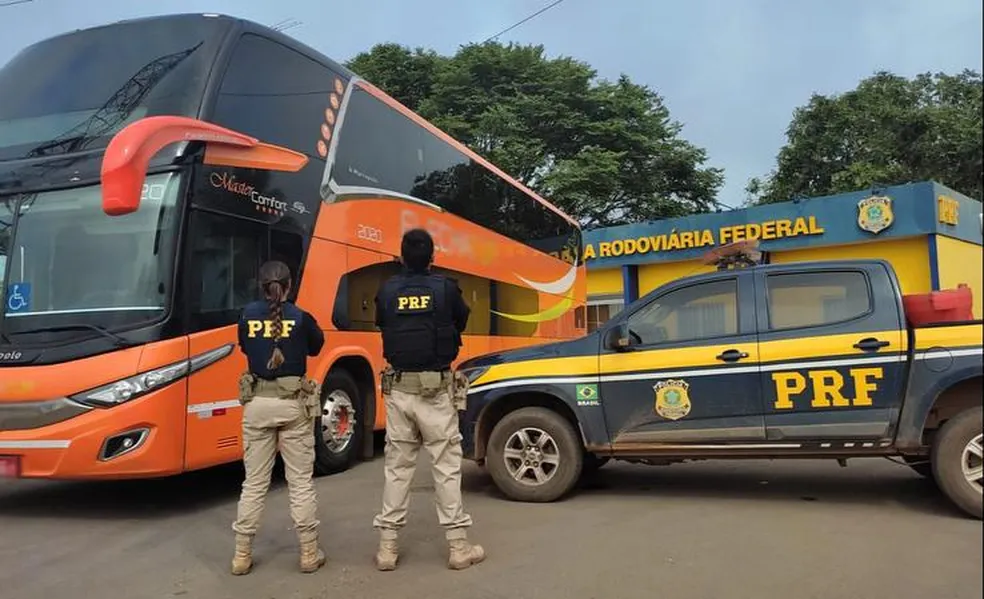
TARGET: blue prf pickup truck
(807,360)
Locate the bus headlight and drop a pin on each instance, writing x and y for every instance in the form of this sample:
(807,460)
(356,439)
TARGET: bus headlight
(132,387)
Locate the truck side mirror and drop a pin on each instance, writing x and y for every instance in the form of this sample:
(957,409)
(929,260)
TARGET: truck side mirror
(617,338)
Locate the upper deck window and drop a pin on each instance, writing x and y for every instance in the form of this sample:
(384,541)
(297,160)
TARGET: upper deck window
(380,148)
(73,92)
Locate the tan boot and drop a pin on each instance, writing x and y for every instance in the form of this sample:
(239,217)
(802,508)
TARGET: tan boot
(463,554)
(387,555)
(312,557)
(242,560)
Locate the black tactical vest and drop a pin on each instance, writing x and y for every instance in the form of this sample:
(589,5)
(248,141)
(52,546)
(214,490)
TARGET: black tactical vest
(419,333)
(257,336)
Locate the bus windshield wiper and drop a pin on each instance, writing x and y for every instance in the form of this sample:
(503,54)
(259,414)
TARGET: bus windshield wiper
(119,341)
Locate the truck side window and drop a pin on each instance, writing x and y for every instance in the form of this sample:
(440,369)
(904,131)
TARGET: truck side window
(701,311)
(810,299)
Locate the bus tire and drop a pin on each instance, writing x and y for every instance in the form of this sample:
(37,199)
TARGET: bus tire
(338,431)
(514,444)
(957,450)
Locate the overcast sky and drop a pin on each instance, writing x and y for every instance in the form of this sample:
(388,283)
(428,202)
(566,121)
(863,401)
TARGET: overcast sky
(731,71)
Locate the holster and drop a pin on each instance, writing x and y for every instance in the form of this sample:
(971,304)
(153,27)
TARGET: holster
(386,379)
(459,390)
(305,390)
(247,387)
(311,390)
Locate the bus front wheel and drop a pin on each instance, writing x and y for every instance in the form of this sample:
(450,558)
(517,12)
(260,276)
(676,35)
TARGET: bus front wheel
(338,431)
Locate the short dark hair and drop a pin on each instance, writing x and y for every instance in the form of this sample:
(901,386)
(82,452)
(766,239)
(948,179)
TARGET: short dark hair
(417,250)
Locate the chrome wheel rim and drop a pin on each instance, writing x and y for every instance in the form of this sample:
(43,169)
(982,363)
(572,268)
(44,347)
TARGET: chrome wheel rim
(532,456)
(338,421)
(972,464)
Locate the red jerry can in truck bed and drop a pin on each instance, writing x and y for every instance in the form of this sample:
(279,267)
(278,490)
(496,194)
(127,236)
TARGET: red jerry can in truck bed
(946,305)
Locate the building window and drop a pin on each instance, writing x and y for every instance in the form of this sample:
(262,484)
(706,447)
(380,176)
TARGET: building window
(601,311)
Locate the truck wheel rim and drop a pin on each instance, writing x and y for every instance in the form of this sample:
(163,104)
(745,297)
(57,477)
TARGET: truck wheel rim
(531,456)
(337,421)
(972,463)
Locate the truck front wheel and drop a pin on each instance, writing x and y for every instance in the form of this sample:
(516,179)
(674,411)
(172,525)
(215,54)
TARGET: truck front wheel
(957,460)
(534,455)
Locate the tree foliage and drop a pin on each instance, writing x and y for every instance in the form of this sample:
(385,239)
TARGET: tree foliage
(889,130)
(606,152)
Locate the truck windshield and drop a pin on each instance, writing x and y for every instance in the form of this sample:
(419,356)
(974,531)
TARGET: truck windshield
(65,262)
(74,91)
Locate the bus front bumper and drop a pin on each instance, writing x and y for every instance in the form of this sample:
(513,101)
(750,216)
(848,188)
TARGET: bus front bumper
(137,439)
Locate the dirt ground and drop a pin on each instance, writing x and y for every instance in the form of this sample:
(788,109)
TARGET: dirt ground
(714,530)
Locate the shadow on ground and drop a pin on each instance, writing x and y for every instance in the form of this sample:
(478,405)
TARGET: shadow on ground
(149,498)
(863,482)
(142,498)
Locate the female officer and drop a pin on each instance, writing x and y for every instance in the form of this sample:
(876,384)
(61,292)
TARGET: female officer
(280,405)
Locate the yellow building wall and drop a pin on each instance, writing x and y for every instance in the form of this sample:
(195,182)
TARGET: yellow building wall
(909,258)
(605,282)
(960,262)
(653,275)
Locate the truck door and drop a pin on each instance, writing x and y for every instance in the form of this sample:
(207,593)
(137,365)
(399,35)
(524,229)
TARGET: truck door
(833,355)
(690,373)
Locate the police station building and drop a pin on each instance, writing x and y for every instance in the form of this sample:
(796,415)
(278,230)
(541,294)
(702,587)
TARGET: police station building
(929,233)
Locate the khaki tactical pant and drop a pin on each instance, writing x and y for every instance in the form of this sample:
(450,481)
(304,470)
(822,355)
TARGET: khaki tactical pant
(414,420)
(272,423)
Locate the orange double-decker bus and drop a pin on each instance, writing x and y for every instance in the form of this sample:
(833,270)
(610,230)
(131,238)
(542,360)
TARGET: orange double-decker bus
(148,168)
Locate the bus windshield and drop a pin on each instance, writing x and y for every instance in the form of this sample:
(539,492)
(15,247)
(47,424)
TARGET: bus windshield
(65,262)
(73,92)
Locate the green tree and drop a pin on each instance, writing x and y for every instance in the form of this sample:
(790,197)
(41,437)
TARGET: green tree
(606,152)
(889,130)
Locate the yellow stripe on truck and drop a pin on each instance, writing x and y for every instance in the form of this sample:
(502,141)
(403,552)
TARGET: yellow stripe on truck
(949,337)
(828,346)
(825,346)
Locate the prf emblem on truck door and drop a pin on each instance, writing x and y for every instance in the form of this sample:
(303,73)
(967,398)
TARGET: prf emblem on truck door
(672,399)
(875,214)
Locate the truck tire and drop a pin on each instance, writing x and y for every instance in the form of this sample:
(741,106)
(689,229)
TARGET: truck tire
(540,447)
(956,457)
(338,431)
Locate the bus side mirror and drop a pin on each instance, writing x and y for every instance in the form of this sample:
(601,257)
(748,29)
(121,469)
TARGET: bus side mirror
(128,154)
(618,338)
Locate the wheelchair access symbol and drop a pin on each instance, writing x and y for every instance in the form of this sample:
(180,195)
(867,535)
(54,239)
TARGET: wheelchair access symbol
(18,298)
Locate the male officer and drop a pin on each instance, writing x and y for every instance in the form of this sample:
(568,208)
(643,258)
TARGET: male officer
(422,316)
(280,405)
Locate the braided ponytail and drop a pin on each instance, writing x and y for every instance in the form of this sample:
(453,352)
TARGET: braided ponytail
(275,282)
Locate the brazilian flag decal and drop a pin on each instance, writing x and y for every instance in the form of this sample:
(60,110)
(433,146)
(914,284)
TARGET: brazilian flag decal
(587,394)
